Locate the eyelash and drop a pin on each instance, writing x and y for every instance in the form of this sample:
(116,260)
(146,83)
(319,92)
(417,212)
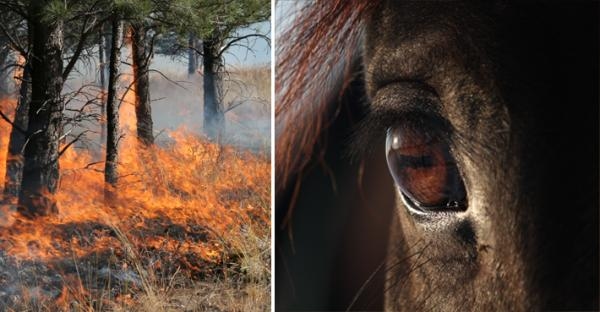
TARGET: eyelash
(370,133)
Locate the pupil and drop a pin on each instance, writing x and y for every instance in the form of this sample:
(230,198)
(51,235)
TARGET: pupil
(422,161)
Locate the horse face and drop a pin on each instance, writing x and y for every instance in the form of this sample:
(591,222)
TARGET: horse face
(512,94)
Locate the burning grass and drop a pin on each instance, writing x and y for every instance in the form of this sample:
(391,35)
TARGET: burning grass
(188,230)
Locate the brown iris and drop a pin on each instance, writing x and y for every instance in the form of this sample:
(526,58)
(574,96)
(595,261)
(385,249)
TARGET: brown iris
(425,171)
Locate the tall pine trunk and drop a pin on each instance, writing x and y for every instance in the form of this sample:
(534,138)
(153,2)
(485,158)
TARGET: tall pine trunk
(14,157)
(214,116)
(141,62)
(102,57)
(192,55)
(103,81)
(41,168)
(112,110)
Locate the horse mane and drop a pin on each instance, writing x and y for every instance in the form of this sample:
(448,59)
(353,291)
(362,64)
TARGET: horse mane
(315,57)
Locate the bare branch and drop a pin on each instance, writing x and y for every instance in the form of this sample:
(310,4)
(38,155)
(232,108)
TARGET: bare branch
(11,123)
(28,139)
(64,149)
(177,83)
(93,164)
(237,39)
(80,46)
(16,8)
(12,40)
(159,133)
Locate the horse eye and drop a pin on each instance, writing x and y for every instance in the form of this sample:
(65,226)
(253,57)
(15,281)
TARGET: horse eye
(424,171)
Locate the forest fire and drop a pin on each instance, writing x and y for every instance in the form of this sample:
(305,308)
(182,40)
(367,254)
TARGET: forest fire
(111,199)
(177,205)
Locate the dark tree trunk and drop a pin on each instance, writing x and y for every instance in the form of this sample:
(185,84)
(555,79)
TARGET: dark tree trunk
(112,110)
(141,62)
(102,58)
(192,55)
(107,47)
(103,81)
(214,116)
(14,158)
(41,169)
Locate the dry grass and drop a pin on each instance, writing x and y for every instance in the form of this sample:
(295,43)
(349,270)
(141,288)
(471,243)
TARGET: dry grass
(250,88)
(253,83)
(242,285)
(245,285)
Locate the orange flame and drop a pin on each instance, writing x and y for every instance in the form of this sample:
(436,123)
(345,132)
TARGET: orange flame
(184,184)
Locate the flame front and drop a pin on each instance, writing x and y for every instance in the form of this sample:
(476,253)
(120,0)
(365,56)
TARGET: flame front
(178,198)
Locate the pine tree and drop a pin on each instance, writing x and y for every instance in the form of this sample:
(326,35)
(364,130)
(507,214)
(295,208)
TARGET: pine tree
(141,54)
(112,107)
(41,168)
(222,20)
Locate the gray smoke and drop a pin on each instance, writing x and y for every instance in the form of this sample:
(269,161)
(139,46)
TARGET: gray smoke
(177,100)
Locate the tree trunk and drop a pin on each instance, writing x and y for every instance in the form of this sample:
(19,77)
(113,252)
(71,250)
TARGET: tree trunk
(41,168)
(192,55)
(107,48)
(102,57)
(14,158)
(103,82)
(214,116)
(141,62)
(112,110)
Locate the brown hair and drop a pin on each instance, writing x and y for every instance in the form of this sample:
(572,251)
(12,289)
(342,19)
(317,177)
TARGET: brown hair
(313,61)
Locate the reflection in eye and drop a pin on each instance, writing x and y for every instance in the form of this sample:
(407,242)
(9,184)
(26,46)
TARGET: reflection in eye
(425,171)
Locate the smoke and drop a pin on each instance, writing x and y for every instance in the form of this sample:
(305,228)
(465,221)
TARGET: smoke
(177,100)
(246,102)
(8,71)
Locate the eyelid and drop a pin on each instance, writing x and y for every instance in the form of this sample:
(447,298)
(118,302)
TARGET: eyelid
(371,132)
(408,95)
